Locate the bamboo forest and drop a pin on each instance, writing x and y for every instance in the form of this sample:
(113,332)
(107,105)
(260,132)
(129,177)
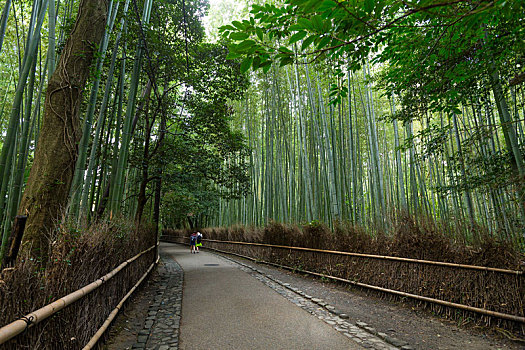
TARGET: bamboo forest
(292,112)
(123,121)
(416,109)
(361,110)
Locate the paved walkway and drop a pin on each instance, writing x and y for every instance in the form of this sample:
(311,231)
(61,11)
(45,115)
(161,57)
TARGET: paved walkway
(225,308)
(227,304)
(233,304)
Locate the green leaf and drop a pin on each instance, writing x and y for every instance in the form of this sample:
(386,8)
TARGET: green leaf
(267,67)
(232,55)
(259,33)
(285,49)
(285,61)
(327,4)
(265,63)
(308,41)
(256,8)
(317,22)
(239,36)
(335,101)
(379,7)
(227,27)
(394,8)
(311,5)
(296,37)
(324,41)
(246,63)
(256,62)
(245,45)
(239,25)
(369,6)
(303,22)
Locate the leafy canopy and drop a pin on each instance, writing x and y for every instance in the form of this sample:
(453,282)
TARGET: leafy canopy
(446,45)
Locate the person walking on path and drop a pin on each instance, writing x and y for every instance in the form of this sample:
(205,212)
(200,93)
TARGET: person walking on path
(199,241)
(193,242)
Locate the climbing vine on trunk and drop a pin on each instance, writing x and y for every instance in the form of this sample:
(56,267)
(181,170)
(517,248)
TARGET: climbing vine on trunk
(45,196)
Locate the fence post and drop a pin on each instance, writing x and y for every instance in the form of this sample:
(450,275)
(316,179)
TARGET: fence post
(15,240)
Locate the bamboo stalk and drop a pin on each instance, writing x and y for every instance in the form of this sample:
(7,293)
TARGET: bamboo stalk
(78,178)
(14,328)
(8,147)
(86,208)
(3,22)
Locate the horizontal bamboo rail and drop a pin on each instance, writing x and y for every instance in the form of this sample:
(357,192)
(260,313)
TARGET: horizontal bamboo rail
(514,318)
(100,332)
(381,257)
(13,329)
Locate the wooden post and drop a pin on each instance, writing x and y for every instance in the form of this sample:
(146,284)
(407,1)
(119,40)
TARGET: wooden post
(13,243)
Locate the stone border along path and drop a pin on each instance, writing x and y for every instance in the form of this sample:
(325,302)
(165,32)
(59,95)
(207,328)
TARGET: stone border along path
(163,322)
(361,332)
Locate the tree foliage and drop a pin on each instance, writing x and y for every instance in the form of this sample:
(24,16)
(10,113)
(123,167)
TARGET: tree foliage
(424,112)
(445,45)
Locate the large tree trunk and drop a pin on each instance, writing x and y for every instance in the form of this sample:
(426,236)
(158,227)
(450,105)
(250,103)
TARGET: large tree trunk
(47,189)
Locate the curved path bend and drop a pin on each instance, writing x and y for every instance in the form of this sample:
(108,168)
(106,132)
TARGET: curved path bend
(224,307)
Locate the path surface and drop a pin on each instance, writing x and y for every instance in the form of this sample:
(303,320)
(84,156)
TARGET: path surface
(235,304)
(225,308)
(398,322)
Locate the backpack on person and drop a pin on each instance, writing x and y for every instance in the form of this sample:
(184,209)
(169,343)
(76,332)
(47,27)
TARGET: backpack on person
(193,240)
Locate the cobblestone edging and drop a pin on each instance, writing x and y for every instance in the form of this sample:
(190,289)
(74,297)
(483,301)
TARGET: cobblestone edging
(162,324)
(360,332)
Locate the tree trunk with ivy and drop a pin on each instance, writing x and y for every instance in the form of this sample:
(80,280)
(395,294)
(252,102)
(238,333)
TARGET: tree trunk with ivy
(45,196)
